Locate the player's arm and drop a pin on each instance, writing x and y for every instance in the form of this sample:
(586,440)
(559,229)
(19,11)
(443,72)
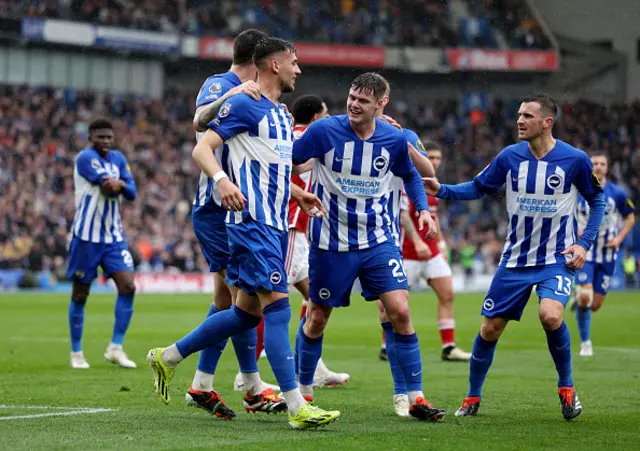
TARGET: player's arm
(312,144)
(89,167)
(421,162)
(442,244)
(129,189)
(308,202)
(302,168)
(488,181)
(407,224)
(232,197)
(207,112)
(627,210)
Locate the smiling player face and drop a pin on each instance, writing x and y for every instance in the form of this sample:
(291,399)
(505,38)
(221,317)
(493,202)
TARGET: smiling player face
(362,106)
(288,70)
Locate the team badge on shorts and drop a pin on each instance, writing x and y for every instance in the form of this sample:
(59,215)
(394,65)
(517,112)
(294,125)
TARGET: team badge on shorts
(488,304)
(582,277)
(324,293)
(275,278)
(79,274)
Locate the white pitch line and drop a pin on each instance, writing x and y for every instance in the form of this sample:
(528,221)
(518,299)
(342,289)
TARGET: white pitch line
(55,414)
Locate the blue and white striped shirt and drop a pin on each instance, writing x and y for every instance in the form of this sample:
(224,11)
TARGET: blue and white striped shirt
(212,89)
(618,206)
(352,177)
(259,136)
(97,217)
(541,200)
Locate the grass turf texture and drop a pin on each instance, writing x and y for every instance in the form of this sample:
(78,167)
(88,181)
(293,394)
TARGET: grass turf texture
(520,409)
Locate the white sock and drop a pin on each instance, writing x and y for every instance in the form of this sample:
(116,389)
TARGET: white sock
(171,356)
(321,369)
(114,347)
(306,390)
(294,400)
(252,383)
(202,381)
(415,394)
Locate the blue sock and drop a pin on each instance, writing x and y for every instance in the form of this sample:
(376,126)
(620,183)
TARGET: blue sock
(559,342)
(123,314)
(408,356)
(76,325)
(296,351)
(209,357)
(216,328)
(310,350)
(245,345)
(276,343)
(583,317)
(481,359)
(399,385)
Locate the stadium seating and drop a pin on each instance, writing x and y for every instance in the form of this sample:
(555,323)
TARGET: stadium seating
(42,129)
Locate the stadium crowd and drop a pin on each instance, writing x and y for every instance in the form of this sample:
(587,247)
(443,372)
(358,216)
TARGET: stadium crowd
(41,131)
(384,22)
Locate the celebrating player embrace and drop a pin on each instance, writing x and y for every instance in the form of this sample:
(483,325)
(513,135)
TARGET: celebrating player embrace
(543,177)
(356,157)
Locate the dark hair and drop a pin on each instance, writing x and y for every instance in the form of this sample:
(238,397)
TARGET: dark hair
(245,44)
(100,124)
(547,104)
(268,46)
(305,107)
(371,83)
(431,145)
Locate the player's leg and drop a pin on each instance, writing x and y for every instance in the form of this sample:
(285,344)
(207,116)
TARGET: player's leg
(400,394)
(382,276)
(84,258)
(439,278)
(554,289)
(507,296)
(602,279)
(584,300)
(117,263)
(328,288)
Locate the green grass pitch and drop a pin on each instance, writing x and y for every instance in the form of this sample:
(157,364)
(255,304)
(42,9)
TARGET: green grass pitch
(520,409)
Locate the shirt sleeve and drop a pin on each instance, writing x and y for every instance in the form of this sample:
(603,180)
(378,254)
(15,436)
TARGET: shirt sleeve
(89,167)
(401,165)
(130,191)
(212,89)
(234,117)
(311,143)
(493,176)
(585,178)
(624,204)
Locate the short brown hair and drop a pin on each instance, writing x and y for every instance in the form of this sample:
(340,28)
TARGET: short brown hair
(547,104)
(371,83)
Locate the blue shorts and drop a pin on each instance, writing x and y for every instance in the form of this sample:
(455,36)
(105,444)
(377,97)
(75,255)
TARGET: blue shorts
(85,257)
(211,232)
(258,253)
(596,274)
(511,288)
(331,274)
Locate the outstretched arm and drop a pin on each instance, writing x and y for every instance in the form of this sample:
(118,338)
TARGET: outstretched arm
(462,191)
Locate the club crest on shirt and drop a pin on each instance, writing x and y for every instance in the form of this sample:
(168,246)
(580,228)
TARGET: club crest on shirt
(215,88)
(380,163)
(224,111)
(555,181)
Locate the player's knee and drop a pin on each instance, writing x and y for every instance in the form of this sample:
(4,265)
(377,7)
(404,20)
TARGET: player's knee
(382,313)
(400,316)
(584,295)
(316,321)
(596,304)
(491,330)
(80,298)
(446,297)
(127,287)
(551,319)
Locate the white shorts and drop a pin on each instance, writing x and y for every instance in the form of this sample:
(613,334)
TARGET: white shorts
(435,268)
(297,262)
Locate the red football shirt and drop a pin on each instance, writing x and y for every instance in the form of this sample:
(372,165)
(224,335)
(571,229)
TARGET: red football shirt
(298,219)
(408,248)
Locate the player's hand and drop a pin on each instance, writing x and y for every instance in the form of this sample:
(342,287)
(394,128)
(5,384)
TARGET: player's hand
(425,219)
(391,121)
(579,255)
(112,186)
(250,88)
(423,251)
(432,185)
(232,197)
(310,204)
(613,243)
